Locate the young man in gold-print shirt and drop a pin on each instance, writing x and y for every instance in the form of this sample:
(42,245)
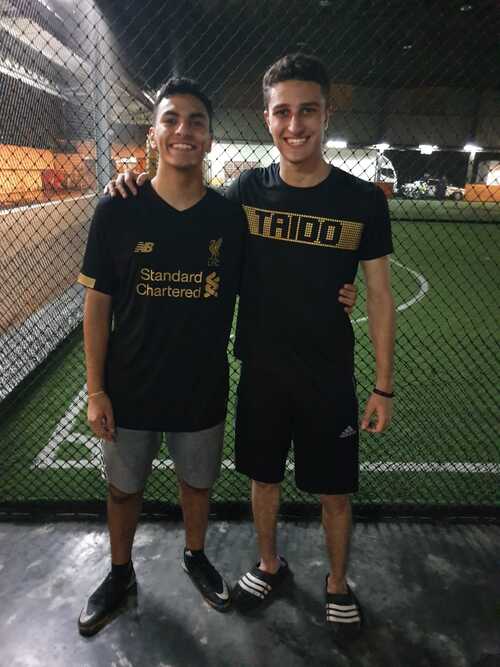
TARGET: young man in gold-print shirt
(310,226)
(165,266)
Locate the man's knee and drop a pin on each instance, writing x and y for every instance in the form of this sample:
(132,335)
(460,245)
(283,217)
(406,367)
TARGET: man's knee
(265,487)
(121,497)
(194,490)
(336,503)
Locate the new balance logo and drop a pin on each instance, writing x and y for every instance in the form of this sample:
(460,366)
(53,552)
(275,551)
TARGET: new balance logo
(347,432)
(144,246)
(212,285)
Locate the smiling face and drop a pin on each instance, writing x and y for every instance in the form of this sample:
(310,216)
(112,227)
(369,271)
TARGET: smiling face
(297,118)
(181,131)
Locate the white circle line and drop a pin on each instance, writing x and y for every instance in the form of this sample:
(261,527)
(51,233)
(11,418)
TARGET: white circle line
(424,288)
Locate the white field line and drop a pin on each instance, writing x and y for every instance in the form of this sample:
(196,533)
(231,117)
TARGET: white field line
(53,202)
(64,432)
(423,289)
(430,466)
(64,429)
(374,466)
(424,286)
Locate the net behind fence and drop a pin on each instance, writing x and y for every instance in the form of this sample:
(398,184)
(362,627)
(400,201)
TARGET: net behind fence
(416,110)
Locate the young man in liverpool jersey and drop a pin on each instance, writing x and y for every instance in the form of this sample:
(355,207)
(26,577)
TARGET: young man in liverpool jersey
(310,224)
(165,266)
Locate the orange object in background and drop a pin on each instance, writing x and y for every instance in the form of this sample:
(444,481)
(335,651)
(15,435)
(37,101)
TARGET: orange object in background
(387,188)
(20,172)
(40,251)
(29,175)
(53,180)
(481,192)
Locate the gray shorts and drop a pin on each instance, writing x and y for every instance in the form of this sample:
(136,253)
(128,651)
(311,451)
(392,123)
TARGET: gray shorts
(197,456)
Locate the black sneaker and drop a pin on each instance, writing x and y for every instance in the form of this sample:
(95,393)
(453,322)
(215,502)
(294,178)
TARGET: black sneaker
(106,599)
(206,579)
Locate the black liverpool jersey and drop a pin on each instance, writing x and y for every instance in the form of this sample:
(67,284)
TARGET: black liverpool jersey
(303,245)
(173,277)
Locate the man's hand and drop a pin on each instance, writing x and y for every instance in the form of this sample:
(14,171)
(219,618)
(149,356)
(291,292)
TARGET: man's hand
(378,414)
(126,183)
(347,295)
(100,417)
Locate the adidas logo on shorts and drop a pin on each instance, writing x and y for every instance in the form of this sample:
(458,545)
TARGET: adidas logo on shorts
(347,432)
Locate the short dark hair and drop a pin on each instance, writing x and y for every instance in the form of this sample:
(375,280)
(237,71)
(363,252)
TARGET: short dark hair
(181,85)
(296,67)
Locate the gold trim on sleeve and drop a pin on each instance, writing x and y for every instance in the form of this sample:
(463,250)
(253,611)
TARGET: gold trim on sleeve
(86,281)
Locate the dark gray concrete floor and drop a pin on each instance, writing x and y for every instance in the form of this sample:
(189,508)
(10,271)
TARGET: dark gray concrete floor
(431,595)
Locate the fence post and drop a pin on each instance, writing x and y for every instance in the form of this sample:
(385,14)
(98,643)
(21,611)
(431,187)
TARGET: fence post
(102,97)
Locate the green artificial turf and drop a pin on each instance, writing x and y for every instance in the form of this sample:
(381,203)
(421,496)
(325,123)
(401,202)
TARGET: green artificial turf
(446,372)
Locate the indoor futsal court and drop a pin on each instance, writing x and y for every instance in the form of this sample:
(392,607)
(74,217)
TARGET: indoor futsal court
(412,109)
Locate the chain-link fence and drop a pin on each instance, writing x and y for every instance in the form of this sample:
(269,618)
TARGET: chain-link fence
(416,109)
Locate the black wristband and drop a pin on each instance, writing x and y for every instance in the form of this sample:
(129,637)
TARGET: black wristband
(385,394)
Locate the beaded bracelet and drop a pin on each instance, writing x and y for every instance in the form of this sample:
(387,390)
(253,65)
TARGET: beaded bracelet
(96,393)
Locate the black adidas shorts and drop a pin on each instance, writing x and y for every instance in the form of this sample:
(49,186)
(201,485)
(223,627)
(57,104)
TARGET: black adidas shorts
(278,406)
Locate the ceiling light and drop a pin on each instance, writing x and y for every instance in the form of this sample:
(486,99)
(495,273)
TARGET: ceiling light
(472,148)
(336,143)
(427,149)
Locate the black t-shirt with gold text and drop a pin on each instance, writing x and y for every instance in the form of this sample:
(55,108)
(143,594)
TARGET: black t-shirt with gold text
(173,278)
(303,245)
